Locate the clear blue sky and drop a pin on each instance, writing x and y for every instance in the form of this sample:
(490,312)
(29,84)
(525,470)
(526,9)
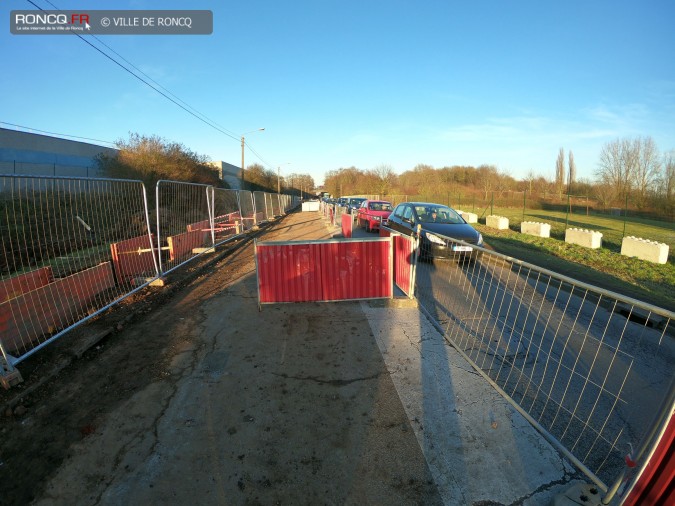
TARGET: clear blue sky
(337,83)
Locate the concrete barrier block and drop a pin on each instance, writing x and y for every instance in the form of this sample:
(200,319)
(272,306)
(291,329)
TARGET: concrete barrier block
(498,222)
(586,238)
(535,228)
(644,249)
(470,217)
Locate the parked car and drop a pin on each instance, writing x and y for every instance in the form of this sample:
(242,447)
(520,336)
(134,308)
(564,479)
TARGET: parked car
(353,203)
(372,213)
(436,220)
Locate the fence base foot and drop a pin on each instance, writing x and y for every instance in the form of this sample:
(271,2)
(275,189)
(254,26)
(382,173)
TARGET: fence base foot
(581,493)
(10,378)
(199,251)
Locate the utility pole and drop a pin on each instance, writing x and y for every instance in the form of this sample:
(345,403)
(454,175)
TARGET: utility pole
(278,180)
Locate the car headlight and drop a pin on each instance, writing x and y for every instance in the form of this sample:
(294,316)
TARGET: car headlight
(435,239)
(480,239)
(377,218)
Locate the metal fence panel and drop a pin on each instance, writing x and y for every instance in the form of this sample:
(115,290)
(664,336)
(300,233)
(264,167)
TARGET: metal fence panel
(65,254)
(247,209)
(276,204)
(185,224)
(260,207)
(227,220)
(591,369)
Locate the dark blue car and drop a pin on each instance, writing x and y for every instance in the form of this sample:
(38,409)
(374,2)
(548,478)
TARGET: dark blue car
(436,222)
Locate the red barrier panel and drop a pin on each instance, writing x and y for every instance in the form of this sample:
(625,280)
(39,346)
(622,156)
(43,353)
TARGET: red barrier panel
(203,225)
(347,225)
(288,272)
(324,271)
(356,270)
(18,285)
(28,317)
(181,245)
(132,258)
(655,484)
(403,263)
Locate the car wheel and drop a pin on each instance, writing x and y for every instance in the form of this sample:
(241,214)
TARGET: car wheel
(368,229)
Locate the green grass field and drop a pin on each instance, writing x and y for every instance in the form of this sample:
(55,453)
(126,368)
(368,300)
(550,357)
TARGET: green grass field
(604,267)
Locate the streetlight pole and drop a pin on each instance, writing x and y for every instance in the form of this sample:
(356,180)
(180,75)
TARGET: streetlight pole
(243,143)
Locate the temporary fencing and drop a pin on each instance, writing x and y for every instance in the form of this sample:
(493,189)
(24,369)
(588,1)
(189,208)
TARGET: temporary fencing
(247,209)
(227,219)
(73,247)
(591,369)
(185,222)
(347,225)
(260,206)
(328,270)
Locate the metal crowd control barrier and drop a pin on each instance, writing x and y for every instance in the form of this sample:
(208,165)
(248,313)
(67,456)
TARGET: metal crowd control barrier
(247,209)
(259,206)
(71,247)
(185,222)
(590,369)
(227,218)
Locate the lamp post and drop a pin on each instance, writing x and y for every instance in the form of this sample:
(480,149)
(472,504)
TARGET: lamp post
(243,143)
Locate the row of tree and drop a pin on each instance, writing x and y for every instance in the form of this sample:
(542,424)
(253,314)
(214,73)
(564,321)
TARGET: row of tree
(628,169)
(257,177)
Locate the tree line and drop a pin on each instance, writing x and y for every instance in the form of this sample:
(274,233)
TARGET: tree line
(628,170)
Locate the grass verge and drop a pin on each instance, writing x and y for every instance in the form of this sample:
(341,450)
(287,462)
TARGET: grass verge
(645,281)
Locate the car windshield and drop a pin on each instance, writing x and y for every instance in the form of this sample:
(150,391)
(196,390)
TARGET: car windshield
(438,214)
(380,206)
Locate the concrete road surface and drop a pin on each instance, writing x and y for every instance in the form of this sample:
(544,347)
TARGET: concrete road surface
(313,403)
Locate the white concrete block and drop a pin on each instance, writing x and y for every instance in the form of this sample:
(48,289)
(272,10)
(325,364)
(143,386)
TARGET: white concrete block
(312,205)
(470,217)
(644,249)
(587,238)
(498,222)
(535,228)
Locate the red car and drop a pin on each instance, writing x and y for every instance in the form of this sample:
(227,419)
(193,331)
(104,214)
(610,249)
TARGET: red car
(372,212)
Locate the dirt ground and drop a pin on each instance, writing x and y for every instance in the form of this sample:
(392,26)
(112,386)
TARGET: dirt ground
(188,394)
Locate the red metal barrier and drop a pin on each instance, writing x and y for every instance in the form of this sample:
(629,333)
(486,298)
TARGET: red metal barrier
(132,258)
(181,245)
(18,285)
(324,270)
(655,484)
(288,272)
(347,224)
(28,317)
(404,250)
(356,270)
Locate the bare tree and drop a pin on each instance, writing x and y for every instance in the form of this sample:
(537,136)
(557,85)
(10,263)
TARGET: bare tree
(647,167)
(572,174)
(614,169)
(628,165)
(386,176)
(560,171)
(668,179)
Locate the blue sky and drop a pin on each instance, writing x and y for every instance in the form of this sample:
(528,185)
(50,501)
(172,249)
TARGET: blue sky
(337,83)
